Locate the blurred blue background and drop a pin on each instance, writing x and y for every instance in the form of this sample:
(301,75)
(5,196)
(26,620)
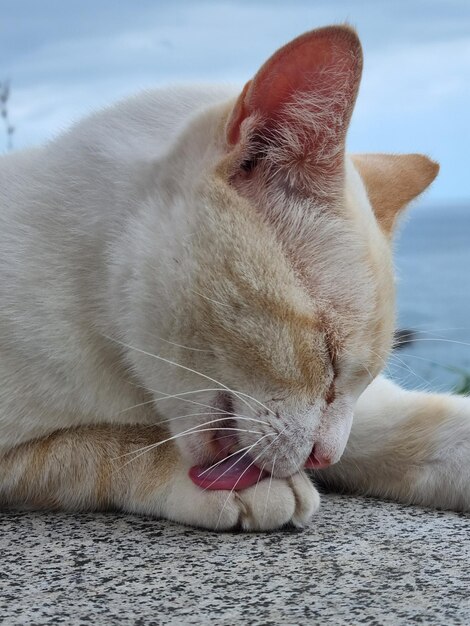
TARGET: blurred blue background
(65,59)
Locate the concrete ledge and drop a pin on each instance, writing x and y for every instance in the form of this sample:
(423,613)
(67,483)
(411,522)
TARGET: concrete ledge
(360,561)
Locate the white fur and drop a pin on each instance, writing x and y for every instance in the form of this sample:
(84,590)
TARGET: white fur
(69,235)
(97,237)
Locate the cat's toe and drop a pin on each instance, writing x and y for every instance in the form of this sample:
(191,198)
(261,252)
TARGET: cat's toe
(307,499)
(190,505)
(277,502)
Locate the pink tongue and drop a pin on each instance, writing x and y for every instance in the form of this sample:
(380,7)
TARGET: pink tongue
(236,472)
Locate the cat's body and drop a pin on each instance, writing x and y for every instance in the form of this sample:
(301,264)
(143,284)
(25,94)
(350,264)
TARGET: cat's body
(65,210)
(174,263)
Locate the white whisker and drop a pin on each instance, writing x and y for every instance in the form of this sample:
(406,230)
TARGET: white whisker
(189,369)
(178,345)
(259,480)
(242,456)
(179,395)
(410,369)
(246,469)
(211,299)
(460,343)
(193,429)
(168,396)
(238,479)
(223,460)
(269,491)
(233,416)
(145,449)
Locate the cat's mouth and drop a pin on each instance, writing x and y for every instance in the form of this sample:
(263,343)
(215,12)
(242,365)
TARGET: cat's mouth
(233,468)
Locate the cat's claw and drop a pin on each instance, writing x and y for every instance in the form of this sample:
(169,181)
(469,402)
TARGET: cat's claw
(269,505)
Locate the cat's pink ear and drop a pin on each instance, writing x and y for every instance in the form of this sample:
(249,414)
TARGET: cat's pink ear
(303,96)
(392,181)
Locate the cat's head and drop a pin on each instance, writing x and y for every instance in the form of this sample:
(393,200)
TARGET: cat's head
(286,308)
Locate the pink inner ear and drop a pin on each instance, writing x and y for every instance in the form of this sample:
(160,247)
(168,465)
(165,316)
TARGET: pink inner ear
(320,62)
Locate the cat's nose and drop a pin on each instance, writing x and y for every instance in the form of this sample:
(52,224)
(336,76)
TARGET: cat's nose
(316,460)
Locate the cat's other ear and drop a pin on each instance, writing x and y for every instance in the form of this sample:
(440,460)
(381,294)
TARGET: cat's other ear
(392,181)
(296,109)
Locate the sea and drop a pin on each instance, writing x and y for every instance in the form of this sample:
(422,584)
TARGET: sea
(432,259)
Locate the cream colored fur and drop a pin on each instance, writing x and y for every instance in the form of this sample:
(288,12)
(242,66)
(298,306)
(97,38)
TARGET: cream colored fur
(144,274)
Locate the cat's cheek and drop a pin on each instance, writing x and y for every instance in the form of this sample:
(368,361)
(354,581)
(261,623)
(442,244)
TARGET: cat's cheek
(196,449)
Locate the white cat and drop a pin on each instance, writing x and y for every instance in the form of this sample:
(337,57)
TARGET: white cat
(196,291)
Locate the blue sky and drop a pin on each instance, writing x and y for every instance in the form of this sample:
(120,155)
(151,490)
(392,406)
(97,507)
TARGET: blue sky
(65,59)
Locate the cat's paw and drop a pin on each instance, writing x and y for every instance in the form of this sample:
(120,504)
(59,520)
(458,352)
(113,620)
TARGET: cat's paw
(269,505)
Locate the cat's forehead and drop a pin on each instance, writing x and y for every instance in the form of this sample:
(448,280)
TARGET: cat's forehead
(306,260)
(329,265)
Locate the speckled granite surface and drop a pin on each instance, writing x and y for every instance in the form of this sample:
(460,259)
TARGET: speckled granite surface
(360,562)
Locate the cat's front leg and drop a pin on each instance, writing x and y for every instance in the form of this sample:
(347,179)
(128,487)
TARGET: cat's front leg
(410,446)
(105,467)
